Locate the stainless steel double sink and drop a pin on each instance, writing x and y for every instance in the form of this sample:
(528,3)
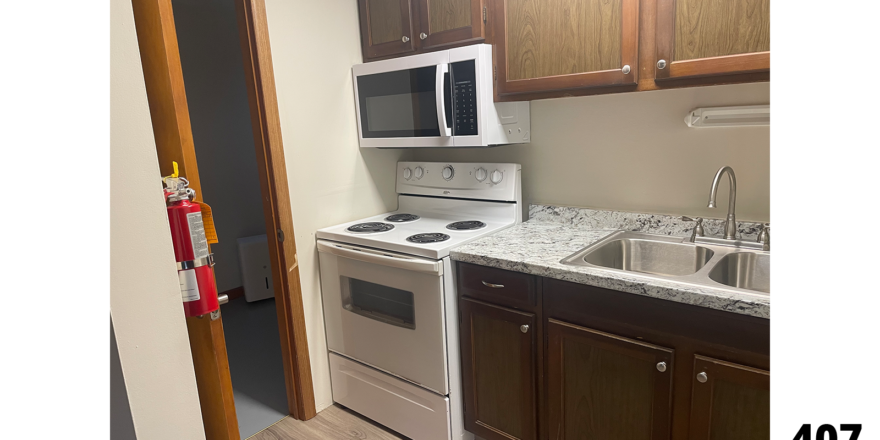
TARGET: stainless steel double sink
(676,259)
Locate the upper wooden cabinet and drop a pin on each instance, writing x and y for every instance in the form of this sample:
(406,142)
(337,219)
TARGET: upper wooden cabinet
(403,27)
(386,27)
(450,22)
(544,45)
(706,37)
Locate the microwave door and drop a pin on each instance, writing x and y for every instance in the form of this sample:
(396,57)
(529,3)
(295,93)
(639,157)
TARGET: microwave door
(405,108)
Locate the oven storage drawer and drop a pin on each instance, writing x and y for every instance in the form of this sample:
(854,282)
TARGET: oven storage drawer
(413,411)
(498,286)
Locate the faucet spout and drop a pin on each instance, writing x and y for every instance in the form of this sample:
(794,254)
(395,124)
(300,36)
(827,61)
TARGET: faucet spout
(730,224)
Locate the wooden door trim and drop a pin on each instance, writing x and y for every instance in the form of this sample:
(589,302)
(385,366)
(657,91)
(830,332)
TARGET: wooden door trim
(724,65)
(662,404)
(169,113)
(629,54)
(271,165)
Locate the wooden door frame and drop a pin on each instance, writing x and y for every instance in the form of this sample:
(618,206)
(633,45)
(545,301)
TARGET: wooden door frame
(266,124)
(169,112)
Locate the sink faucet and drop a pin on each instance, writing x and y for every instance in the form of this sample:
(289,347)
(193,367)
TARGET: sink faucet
(730,224)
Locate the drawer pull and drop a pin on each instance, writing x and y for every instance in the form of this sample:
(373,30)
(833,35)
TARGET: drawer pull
(494,286)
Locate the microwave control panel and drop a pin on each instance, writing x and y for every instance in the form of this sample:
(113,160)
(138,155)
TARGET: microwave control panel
(464,98)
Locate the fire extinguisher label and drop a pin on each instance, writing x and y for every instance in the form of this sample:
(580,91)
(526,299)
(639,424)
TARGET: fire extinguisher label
(197,235)
(189,287)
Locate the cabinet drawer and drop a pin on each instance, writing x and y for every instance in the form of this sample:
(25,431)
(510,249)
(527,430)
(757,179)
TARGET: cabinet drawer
(498,286)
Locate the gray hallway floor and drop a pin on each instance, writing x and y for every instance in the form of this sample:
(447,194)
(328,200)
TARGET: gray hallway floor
(254,350)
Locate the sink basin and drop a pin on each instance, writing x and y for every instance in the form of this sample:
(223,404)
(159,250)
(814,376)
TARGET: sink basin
(744,270)
(708,262)
(645,254)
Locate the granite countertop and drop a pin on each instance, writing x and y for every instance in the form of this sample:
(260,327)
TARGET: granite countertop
(553,233)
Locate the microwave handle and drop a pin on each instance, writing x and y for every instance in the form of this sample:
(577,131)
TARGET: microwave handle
(445,131)
(381,258)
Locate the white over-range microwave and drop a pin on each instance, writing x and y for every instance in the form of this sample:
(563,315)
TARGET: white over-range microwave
(436,99)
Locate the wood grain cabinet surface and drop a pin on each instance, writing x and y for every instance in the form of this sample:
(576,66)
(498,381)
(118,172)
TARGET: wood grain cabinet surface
(730,401)
(499,352)
(707,37)
(556,45)
(386,27)
(603,386)
(447,23)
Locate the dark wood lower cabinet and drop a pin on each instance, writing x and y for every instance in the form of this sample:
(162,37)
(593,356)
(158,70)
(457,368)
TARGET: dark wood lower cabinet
(499,358)
(730,401)
(597,364)
(603,386)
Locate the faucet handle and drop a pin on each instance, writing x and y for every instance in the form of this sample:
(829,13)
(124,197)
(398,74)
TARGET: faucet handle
(764,235)
(698,228)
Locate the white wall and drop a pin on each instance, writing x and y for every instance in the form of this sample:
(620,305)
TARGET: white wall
(210,54)
(145,302)
(633,152)
(314,44)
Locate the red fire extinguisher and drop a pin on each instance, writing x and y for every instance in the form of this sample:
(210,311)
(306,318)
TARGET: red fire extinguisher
(195,265)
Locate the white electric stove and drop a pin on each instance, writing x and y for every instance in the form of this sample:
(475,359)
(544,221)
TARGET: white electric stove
(390,307)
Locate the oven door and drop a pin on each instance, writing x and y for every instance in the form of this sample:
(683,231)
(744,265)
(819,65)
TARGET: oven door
(386,310)
(404,102)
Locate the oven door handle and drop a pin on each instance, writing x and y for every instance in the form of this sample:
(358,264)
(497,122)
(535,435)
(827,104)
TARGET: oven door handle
(382,258)
(445,131)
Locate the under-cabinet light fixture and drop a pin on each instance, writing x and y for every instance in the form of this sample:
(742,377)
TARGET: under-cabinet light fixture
(728,116)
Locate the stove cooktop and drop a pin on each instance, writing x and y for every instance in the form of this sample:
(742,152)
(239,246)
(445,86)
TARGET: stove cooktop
(415,228)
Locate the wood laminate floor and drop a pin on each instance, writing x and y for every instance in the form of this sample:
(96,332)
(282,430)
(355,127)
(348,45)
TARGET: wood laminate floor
(334,423)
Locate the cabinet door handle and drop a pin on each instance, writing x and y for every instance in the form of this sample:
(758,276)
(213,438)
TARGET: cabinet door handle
(661,367)
(404,39)
(524,328)
(702,377)
(494,286)
(423,35)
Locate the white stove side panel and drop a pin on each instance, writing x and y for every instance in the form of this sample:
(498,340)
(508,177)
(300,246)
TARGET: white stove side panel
(453,356)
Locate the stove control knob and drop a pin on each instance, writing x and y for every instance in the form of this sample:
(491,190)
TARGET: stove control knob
(407,173)
(496,177)
(482,174)
(419,172)
(448,172)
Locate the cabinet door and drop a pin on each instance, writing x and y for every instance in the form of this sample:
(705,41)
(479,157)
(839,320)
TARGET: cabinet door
(386,27)
(448,22)
(499,357)
(708,37)
(730,401)
(603,386)
(554,45)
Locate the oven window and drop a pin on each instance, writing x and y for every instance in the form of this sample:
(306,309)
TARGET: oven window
(382,303)
(399,104)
